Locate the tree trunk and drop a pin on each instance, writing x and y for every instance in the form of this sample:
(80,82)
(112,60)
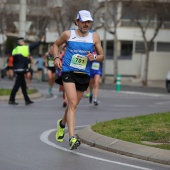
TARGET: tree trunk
(115,56)
(145,78)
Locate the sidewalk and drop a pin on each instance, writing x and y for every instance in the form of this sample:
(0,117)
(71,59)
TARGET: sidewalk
(129,81)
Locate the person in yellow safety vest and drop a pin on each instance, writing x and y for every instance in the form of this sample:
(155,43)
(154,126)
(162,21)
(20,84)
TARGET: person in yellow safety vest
(20,54)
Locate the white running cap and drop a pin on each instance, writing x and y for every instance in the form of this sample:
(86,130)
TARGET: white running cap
(84,15)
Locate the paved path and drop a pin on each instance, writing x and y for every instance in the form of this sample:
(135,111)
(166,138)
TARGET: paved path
(114,145)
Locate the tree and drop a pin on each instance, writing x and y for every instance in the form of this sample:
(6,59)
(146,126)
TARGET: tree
(149,15)
(5,25)
(39,14)
(112,14)
(66,15)
(115,11)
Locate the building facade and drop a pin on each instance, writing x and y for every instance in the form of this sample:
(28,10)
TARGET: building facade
(131,54)
(130,49)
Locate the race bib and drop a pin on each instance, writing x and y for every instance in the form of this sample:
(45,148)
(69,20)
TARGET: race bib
(29,65)
(51,63)
(95,66)
(78,61)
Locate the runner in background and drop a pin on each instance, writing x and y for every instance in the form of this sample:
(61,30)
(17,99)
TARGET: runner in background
(87,93)
(29,73)
(40,67)
(95,74)
(61,87)
(9,68)
(51,70)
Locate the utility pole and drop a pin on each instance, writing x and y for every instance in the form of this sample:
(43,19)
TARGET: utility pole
(23,25)
(22,19)
(104,44)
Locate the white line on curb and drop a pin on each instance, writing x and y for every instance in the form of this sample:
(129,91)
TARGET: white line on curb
(44,138)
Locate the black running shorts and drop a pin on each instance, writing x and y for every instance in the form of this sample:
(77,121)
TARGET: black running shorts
(52,69)
(81,80)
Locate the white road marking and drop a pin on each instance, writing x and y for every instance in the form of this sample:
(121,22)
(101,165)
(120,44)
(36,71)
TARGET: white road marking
(51,97)
(44,138)
(164,102)
(144,94)
(124,105)
(165,106)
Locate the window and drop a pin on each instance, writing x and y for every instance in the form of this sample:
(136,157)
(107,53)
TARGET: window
(126,50)
(163,47)
(109,50)
(140,47)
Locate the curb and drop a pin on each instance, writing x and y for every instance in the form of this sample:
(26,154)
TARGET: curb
(143,152)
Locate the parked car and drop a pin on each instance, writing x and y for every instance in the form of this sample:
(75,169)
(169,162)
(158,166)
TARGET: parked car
(167,83)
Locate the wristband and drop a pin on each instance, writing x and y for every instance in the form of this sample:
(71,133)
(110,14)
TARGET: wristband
(56,58)
(95,56)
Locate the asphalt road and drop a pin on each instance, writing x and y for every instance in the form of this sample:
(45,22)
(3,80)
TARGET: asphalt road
(27,133)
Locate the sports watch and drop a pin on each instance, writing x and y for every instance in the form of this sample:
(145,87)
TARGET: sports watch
(95,56)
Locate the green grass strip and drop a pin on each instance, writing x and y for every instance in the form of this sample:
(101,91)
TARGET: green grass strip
(6,92)
(153,128)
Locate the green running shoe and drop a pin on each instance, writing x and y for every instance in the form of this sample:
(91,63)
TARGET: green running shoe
(60,132)
(87,95)
(74,143)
